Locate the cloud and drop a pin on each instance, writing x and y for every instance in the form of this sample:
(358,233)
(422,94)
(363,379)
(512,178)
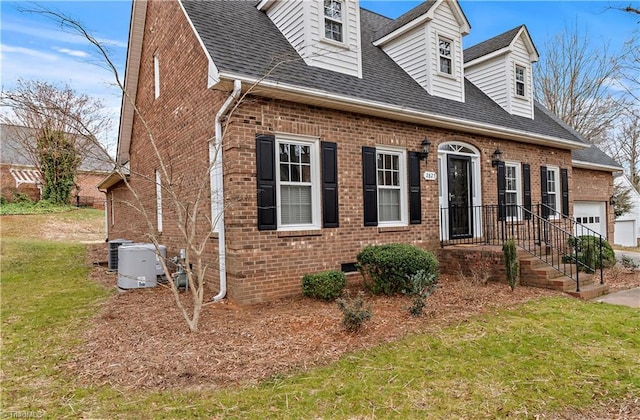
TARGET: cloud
(26,27)
(29,52)
(73,53)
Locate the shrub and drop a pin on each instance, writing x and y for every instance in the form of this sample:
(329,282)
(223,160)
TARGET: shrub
(388,269)
(628,263)
(327,285)
(588,252)
(421,286)
(355,312)
(511,262)
(21,198)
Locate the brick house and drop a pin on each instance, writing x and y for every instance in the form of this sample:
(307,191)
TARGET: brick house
(18,174)
(368,131)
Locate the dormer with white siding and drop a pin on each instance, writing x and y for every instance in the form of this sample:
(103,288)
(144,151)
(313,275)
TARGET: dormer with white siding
(502,68)
(325,33)
(427,43)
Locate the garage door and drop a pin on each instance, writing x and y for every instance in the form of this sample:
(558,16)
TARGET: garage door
(625,232)
(592,215)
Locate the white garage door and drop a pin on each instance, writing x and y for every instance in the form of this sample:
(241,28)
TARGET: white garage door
(624,232)
(592,215)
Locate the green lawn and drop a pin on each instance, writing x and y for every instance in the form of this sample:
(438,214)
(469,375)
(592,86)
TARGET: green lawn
(540,358)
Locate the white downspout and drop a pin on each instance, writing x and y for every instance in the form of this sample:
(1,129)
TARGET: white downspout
(217,188)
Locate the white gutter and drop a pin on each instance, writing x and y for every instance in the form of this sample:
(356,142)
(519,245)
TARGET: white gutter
(217,188)
(402,113)
(595,166)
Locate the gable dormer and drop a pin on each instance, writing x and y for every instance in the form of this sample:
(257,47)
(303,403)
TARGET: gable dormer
(325,33)
(502,68)
(427,43)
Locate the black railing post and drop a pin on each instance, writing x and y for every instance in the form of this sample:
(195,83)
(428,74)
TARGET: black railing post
(601,267)
(576,246)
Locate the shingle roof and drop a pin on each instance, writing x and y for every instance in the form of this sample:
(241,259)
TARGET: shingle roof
(14,152)
(490,45)
(398,23)
(243,41)
(595,156)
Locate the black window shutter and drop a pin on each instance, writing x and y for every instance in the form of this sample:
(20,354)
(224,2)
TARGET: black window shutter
(266,171)
(564,180)
(415,199)
(543,191)
(526,187)
(370,187)
(329,184)
(502,181)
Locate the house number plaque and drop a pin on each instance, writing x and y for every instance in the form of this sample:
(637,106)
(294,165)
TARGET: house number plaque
(429,176)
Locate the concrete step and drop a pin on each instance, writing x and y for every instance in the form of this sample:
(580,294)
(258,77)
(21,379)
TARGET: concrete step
(590,291)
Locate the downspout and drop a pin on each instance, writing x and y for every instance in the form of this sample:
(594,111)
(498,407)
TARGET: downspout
(217,188)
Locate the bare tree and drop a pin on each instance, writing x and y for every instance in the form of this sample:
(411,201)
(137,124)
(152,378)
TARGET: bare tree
(573,80)
(40,110)
(624,144)
(187,198)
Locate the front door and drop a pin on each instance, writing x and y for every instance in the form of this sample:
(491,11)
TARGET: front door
(459,196)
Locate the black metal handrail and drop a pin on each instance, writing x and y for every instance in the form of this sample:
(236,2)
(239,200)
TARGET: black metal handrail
(587,247)
(548,239)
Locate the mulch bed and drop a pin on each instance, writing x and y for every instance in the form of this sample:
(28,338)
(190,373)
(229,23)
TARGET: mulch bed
(140,341)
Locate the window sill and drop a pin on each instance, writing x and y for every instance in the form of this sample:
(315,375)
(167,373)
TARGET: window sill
(384,229)
(342,45)
(447,76)
(298,233)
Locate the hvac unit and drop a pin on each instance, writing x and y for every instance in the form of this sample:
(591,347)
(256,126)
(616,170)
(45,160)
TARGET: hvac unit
(113,252)
(136,266)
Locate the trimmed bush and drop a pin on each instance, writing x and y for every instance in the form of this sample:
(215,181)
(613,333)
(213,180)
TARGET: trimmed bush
(589,251)
(389,269)
(327,285)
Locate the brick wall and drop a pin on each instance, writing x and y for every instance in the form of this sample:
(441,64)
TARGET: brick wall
(264,265)
(180,121)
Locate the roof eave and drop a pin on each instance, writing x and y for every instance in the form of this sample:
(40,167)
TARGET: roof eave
(110,180)
(335,101)
(595,166)
(132,70)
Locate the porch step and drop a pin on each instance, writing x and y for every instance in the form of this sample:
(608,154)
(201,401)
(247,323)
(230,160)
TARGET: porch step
(590,291)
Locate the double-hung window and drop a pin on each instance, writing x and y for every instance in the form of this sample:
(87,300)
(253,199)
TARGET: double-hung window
(553,190)
(392,189)
(298,189)
(513,190)
(520,80)
(446,58)
(333,23)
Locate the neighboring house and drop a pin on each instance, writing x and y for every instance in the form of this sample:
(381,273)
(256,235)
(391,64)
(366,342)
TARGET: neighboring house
(18,174)
(627,226)
(329,153)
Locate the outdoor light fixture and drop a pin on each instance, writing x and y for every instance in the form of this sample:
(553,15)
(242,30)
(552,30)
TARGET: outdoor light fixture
(496,157)
(613,200)
(424,152)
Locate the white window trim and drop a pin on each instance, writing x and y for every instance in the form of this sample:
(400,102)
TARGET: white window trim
(516,81)
(404,192)
(518,190)
(159,200)
(451,57)
(558,192)
(314,143)
(156,75)
(343,22)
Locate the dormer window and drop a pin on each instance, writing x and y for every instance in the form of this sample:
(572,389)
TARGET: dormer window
(520,73)
(446,59)
(333,20)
